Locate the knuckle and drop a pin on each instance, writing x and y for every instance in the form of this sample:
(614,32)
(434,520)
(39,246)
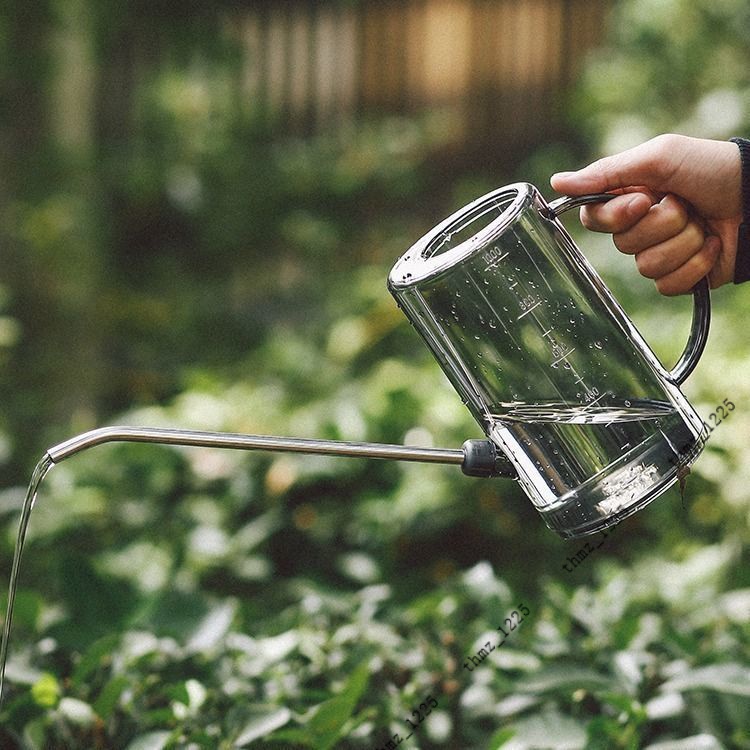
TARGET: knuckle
(668,288)
(706,262)
(718,277)
(662,150)
(602,168)
(623,245)
(585,218)
(595,219)
(694,234)
(674,217)
(646,265)
(665,141)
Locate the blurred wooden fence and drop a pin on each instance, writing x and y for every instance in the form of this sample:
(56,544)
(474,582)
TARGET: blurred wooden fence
(497,66)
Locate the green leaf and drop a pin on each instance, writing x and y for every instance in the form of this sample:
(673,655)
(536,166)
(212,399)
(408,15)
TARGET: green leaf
(535,732)
(26,608)
(564,678)
(98,604)
(212,628)
(733,679)
(150,741)
(602,731)
(500,738)
(292,735)
(625,703)
(46,690)
(76,711)
(697,742)
(175,613)
(718,695)
(34,734)
(93,657)
(105,704)
(262,725)
(329,717)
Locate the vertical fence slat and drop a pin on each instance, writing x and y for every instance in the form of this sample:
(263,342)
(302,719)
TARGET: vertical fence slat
(498,65)
(350,64)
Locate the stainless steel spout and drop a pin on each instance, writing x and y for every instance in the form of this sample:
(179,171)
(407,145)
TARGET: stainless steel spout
(476,457)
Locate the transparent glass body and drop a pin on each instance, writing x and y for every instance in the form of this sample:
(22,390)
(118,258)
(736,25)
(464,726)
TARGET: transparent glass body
(547,361)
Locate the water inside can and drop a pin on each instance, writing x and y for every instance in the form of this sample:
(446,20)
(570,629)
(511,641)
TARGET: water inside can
(583,463)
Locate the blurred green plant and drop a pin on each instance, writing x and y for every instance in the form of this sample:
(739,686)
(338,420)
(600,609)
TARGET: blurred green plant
(670,66)
(10,332)
(202,599)
(162,607)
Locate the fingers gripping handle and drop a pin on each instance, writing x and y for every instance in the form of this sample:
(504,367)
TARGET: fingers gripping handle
(700,325)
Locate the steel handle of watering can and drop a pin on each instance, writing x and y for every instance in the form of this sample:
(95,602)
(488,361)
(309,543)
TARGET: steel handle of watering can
(477,458)
(701,299)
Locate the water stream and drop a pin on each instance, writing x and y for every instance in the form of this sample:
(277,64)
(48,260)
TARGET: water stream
(36,479)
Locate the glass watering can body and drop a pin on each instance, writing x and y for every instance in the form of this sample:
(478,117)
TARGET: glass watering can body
(547,361)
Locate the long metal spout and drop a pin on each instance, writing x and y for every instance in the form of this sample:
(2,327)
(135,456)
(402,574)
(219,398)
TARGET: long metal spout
(476,458)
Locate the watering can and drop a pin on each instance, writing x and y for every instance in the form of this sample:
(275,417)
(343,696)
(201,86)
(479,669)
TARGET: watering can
(547,361)
(573,403)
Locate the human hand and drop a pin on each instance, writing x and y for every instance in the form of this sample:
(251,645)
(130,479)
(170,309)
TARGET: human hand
(678,212)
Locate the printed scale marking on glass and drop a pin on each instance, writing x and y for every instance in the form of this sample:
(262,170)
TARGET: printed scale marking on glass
(529,303)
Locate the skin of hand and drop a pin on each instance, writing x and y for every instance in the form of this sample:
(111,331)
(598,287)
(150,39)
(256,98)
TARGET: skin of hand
(678,208)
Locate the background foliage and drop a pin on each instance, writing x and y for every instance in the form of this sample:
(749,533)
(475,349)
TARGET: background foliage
(201,271)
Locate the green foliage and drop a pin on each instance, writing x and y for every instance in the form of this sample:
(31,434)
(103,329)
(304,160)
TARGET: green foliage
(671,66)
(210,632)
(197,598)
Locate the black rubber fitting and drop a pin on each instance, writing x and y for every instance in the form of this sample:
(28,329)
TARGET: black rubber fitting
(482,459)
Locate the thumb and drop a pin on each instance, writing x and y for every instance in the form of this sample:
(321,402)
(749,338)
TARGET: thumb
(647,165)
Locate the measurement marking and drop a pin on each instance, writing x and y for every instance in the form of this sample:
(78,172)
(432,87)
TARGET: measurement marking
(514,284)
(493,263)
(546,333)
(591,403)
(533,307)
(580,380)
(564,356)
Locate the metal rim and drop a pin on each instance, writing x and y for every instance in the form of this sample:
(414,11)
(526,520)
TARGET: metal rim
(425,259)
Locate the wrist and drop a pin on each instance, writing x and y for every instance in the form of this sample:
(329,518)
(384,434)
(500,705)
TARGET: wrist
(742,257)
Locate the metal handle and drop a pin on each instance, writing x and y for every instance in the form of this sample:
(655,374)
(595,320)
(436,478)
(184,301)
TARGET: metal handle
(701,321)
(476,457)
